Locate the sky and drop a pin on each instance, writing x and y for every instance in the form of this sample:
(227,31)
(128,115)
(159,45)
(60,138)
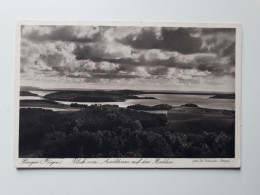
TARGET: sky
(122,57)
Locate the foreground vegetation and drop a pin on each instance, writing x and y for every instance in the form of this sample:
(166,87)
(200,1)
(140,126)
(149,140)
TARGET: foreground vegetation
(110,131)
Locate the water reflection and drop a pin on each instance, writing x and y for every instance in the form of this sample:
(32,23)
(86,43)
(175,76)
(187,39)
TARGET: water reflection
(203,101)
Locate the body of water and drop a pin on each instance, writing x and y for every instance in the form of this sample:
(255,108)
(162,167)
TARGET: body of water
(203,101)
(53,109)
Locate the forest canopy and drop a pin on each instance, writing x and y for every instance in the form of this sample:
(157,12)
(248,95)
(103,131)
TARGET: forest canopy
(110,131)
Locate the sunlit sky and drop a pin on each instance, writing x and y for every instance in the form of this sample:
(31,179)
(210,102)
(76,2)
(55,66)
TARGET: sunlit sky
(151,58)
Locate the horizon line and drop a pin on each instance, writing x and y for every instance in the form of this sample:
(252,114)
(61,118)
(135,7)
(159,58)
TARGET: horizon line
(156,90)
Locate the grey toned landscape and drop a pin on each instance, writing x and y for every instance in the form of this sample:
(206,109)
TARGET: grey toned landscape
(126,92)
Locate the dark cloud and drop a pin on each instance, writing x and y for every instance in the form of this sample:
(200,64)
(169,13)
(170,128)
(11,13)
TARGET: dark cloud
(62,33)
(158,71)
(98,54)
(171,39)
(218,30)
(230,50)
(145,40)
(230,53)
(51,59)
(88,52)
(180,40)
(155,66)
(218,39)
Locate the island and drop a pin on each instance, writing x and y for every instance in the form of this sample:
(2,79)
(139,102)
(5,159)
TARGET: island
(156,107)
(27,93)
(224,96)
(189,106)
(42,103)
(95,96)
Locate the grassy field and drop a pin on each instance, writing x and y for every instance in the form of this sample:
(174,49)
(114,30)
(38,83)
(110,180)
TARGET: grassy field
(201,119)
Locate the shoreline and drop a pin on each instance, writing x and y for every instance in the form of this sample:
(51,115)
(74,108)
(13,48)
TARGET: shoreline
(56,105)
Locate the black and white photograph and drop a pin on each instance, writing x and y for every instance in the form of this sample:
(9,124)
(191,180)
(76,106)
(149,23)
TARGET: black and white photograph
(122,94)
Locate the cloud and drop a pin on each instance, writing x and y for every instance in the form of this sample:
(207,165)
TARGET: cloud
(230,50)
(134,56)
(62,33)
(217,40)
(181,40)
(88,52)
(52,59)
(99,55)
(158,64)
(217,30)
(158,71)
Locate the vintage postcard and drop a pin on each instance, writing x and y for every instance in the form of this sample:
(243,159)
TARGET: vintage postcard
(127,95)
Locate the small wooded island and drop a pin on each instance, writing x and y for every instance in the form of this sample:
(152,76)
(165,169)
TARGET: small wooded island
(156,107)
(95,96)
(189,106)
(27,93)
(224,96)
(42,103)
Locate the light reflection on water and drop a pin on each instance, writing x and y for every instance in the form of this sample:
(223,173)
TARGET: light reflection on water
(203,101)
(53,109)
(31,98)
(42,93)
